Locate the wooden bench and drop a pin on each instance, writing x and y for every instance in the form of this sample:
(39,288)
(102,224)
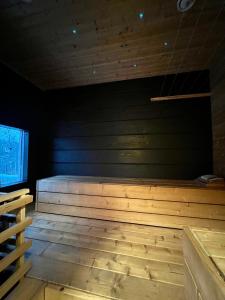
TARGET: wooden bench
(173,204)
(204,254)
(13,202)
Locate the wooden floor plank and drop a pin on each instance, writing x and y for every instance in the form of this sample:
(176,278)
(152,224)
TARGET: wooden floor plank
(102,282)
(132,266)
(168,232)
(57,292)
(104,259)
(107,245)
(114,234)
(26,289)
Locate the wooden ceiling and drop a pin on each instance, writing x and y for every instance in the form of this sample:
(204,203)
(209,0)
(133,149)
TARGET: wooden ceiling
(111,43)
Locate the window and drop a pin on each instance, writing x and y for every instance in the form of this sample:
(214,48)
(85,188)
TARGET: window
(13,155)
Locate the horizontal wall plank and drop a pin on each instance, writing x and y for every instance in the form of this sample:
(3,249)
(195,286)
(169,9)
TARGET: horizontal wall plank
(185,124)
(171,208)
(189,171)
(152,141)
(127,111)
(131,156)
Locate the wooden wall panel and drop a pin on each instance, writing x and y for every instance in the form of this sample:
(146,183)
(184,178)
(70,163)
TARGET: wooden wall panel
(218,114)
(114,130)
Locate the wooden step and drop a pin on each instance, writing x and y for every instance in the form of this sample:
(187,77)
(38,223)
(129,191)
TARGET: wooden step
(104,283)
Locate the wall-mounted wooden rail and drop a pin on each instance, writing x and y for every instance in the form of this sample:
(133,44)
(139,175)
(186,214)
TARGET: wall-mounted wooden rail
(180,97)
(14,226)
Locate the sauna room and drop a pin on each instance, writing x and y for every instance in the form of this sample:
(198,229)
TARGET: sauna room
(112,149)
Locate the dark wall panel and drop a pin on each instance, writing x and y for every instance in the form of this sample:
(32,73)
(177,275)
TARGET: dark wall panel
(114,130)
(22,106)
(218,112)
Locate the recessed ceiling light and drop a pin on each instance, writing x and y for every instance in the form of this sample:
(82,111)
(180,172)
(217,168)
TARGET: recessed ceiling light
(74,31)
(184,5)
(141,15)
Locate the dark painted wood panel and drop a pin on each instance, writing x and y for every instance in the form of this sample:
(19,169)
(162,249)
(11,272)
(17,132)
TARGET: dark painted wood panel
(132,156)
(218,113)
(130,170)
(185,124)
(126,111)
(114,130)
(152,141)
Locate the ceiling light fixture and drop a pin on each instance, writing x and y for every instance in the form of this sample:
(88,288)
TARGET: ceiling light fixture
(165,44)
(74,31)
(184,5)
(141,15)
(135,65)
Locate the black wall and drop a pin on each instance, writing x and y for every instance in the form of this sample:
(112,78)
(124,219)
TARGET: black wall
(22,105)
(114,130)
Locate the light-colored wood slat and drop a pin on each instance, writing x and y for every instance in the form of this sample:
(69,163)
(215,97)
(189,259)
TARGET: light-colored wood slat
(101,282)
(152,192)
(107,233)
(6,234)
(220,263)
(27,289)
(132,266)
(22,201)
(136,205)
(169,233)
(132,217)
(14,278)
(191,290)
(209,282)
(212,242)
(20,217)
(15,254)
(106,245)
(13,195)
(57,292)
(180,97)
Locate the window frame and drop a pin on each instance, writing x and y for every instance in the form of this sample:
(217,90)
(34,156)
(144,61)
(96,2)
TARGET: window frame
(24,158)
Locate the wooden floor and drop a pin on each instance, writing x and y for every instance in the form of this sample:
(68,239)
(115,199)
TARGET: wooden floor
(109,259)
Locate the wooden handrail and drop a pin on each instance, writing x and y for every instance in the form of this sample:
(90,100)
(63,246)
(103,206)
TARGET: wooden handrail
(14,255)
(8,284)
(22,201)
(15,229)
(13,195)
(9,202)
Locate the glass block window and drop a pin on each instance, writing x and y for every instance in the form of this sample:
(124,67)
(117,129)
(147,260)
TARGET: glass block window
(13,155)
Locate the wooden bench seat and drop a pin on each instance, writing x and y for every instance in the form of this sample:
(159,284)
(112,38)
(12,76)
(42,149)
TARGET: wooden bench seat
(173,204)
